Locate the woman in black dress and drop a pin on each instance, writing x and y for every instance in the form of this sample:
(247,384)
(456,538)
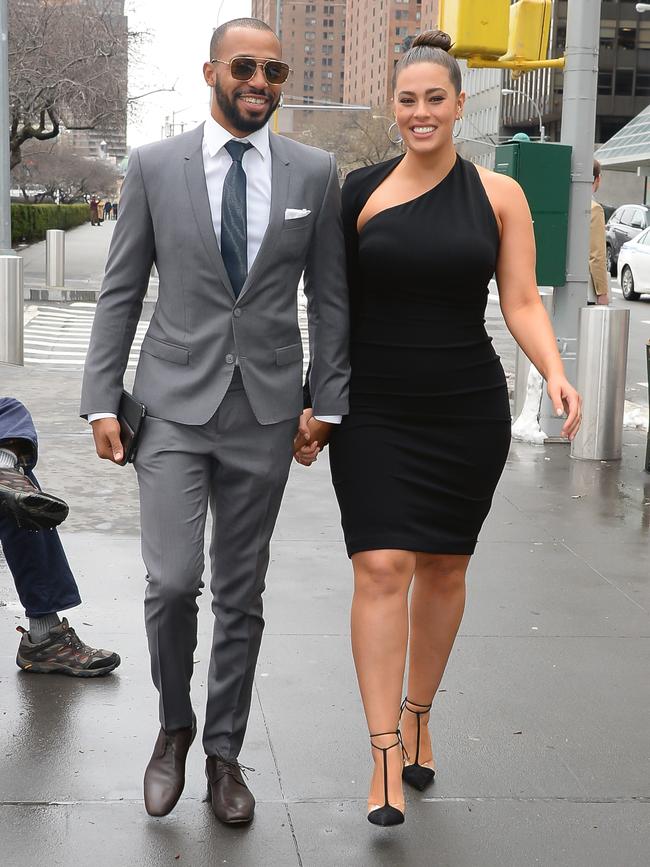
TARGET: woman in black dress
(416,462)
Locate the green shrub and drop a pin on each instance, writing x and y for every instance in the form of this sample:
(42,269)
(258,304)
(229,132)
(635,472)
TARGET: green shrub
(30,222)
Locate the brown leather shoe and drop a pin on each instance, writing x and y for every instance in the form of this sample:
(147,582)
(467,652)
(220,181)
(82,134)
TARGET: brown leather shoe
(231,799)
(164,778)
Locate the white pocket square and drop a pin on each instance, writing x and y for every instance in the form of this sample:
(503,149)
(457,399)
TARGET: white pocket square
(296,213)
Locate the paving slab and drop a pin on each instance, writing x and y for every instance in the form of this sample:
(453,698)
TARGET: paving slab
(469,833)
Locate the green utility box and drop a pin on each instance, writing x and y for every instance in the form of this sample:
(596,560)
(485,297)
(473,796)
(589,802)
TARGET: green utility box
(544,171)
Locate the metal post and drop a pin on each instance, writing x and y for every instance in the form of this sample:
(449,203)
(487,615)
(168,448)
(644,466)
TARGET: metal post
(647,447)
(522,365)
(602,364)
(11,266)
(11,309)
(55,259)
(578,127)
(5,198)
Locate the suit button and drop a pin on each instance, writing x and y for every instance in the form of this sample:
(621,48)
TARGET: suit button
(237,312)
(230,359)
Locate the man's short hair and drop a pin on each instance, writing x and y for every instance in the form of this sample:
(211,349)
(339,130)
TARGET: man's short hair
(596,169)
(245,23)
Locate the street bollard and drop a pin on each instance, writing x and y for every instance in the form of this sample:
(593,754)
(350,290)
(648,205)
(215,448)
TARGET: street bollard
(11,309)
(522,364)
(602,364)
(647,445)
(55,259)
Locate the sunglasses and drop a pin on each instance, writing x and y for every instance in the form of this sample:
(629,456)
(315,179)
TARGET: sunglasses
(244,68)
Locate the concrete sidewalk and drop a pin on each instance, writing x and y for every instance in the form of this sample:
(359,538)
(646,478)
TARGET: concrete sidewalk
(86,248)
(540,728)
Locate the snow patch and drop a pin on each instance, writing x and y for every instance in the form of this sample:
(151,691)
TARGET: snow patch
(526,428)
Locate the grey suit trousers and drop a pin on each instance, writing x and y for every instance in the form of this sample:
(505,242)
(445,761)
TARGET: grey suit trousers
(240,468)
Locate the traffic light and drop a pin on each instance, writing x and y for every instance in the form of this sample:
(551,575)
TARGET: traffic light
(478,28)
(530,25)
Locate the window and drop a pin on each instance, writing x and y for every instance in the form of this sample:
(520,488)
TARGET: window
(607,34)
(627,36)
(642,87)
(626,215)
(310,35)
(604,83)
(624,81)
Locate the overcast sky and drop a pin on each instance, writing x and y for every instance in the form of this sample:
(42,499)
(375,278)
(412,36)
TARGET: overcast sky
(174,54)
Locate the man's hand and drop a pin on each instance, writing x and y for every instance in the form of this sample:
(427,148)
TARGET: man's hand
(602,299)
(312,437)
(106,432)
(304,451)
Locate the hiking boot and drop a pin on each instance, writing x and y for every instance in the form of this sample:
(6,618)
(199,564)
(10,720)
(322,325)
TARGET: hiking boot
(64,652)
(30,507)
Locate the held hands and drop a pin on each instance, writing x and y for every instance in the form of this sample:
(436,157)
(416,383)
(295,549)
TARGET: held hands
(566,399)
(602,299)
(106,432)
(312,437)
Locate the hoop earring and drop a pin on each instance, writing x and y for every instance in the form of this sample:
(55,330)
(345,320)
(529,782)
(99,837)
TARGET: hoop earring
(460,129)
(392,140)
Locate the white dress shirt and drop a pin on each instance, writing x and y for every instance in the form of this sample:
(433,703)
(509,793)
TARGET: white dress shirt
(257,165)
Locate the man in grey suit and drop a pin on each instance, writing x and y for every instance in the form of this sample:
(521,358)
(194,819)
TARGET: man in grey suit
(232,215)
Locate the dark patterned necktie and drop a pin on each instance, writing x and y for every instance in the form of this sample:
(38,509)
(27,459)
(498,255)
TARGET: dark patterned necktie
(234,234)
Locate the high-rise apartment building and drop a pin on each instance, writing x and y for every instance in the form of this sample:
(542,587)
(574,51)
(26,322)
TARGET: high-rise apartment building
(313,44)
(377,33)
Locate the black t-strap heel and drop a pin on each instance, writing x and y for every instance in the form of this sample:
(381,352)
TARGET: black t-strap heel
(386,814)
(417,775)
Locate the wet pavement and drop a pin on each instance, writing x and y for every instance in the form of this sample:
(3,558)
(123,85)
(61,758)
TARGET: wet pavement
(540,728)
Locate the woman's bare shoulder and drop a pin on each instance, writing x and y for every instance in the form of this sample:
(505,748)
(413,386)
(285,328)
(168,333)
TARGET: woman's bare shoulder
(498,182)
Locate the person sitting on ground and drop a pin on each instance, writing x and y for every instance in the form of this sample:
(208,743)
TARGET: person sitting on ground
(36,559)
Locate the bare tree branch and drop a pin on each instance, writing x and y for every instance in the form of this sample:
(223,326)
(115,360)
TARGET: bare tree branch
(67,67)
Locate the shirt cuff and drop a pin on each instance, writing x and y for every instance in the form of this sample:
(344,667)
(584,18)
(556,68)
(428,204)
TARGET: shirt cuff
(94,416)
(329,419)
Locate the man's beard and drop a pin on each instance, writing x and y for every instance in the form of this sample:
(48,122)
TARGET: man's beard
(228,105)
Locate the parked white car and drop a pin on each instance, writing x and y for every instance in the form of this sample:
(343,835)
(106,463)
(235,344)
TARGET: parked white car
(634,266)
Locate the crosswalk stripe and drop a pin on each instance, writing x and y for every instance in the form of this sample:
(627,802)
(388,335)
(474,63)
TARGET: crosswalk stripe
(60,337)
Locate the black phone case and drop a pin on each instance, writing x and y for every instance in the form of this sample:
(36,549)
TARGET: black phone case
(131,415)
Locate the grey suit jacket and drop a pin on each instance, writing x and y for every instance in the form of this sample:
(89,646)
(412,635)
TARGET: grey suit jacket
(198,327)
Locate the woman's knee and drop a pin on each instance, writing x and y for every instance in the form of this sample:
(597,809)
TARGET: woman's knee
(383,573)
(442,572)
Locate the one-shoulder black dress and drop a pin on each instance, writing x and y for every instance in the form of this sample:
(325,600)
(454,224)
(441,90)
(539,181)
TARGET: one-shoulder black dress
(416,462)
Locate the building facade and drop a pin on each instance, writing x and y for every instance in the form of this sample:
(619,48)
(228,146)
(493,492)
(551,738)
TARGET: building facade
(313,44)
(377,33)
(623,75)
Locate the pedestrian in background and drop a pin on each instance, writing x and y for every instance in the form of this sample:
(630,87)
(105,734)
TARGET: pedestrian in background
(598,290)
(115,210)
(108,207)
(94,211)
(36,559)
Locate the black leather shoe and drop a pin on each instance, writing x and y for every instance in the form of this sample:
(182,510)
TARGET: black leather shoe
(231,799)
(164,778)
(28,506)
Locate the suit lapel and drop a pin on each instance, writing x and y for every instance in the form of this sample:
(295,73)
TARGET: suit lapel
(198,193)
(281,172)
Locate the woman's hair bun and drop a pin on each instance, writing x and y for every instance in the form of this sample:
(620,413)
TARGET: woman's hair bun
(433,39)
